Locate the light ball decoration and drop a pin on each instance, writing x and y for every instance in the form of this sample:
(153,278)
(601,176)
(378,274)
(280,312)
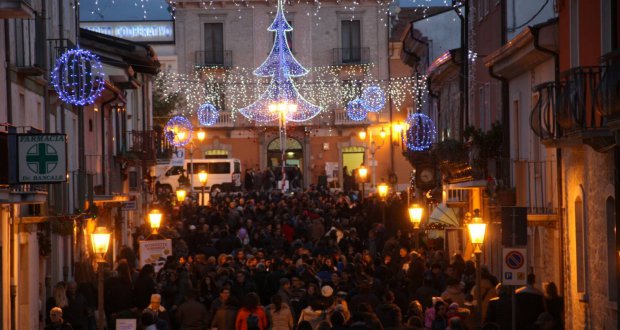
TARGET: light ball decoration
(356,110)
(178,131)
(421,133)
(78,77)
(207,114)
(373,98)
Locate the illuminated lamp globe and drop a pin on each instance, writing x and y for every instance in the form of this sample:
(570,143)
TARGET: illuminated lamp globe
(415,215)
(100,239)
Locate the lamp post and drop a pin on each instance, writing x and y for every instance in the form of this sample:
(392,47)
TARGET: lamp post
(100,239)
(181,194)
(362,174)
(477,228)
(202,177)
(415,216)
(155,220)
(373,149)
(382,188)
(283,108)
(200,136)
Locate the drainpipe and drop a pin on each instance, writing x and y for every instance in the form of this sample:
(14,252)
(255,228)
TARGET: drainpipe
(7,65)
(103,144)
(558,151)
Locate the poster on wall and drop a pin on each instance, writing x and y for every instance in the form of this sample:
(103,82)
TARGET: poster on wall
(155,252)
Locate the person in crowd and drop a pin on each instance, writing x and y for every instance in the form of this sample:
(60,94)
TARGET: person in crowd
(530,303)
(251,316)
(145,286)
(191,315)
(160,314)
(119,297)
(76,311)
(147,320)
(279,314)
(58,298)
(440,321)
(454,292)
(500,308)
(56,320)
(226,315)
(389,313)
(555,305)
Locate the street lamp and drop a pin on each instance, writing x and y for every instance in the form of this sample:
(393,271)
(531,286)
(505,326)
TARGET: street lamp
(362,174)
(283,108)
(397,128)
(200,136)
(202,177)
(181,194)
(477,229)
(100,239)
(415,216)
(382,188)
(373,148)
(155,220)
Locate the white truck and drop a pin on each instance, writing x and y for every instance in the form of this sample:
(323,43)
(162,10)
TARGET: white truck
(223,175)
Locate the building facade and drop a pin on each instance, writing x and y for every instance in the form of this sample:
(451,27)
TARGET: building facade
(228,36)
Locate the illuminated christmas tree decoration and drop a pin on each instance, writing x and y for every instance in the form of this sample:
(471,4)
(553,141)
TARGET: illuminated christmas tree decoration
(356,110)
(78,77)
(373,98)
(207,114)
(281,66)
(178,131)
(421,132)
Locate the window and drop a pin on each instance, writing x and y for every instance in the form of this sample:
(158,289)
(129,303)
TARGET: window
(289,37)
(611,249)
(211,168)
(579,245)
(351,42)
(214,44)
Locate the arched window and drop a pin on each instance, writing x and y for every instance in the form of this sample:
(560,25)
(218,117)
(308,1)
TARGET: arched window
(579,245)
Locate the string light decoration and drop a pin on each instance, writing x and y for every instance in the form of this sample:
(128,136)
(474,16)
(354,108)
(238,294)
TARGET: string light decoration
(281,66)
(78,77)
(356,110)
(421,132)
(373,98)
(178,131)
(207,114)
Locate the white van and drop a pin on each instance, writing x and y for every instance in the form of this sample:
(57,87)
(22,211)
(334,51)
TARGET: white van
(223,174)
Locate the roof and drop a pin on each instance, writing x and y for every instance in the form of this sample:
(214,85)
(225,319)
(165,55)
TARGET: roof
(121,52)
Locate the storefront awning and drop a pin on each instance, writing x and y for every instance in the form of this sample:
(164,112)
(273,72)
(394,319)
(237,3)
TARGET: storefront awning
(445,216)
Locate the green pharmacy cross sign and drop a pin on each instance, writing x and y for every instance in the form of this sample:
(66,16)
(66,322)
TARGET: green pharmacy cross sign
(42,158)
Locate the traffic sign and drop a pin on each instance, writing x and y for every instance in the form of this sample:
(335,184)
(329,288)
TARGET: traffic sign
(514,266)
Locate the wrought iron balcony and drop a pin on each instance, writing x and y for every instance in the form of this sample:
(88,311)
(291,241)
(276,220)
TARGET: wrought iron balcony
(351,56)
(212,58)
(569,111)
(147,145)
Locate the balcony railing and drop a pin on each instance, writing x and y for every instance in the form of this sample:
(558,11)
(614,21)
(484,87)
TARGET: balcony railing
(211,58)
(341,118)
(571,109)
(148,145)
(349,56)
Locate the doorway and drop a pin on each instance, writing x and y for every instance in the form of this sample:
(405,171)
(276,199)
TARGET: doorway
(294,155)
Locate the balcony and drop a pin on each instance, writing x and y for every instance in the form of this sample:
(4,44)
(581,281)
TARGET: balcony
(351,56)
(16,9)
(569,112)
(341,118)
(147,146)
(29,59)
(214,58)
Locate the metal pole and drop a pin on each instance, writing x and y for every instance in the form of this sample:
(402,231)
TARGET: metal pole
(478,255)
(283,146)
(203,195)
(100,315)
(383,212)
(191,165)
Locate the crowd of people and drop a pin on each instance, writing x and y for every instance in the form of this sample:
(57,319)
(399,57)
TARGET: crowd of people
(305,260)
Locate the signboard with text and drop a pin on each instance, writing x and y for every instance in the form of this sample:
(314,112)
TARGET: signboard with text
(155,252)
(178,158)
(143,31)
(514,266)
(41,158)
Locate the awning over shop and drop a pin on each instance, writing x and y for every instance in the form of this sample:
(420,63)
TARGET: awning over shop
(445,216)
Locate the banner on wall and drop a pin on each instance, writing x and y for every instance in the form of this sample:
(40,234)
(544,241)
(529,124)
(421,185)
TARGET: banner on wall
(155,252)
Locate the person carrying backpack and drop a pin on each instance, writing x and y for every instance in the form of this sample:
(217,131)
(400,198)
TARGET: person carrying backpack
(251,316)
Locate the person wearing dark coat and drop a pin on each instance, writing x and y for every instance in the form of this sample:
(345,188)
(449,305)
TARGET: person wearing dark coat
(530,304)
(145,286)
(118,292)
(425,293)
(226,315)
(389,313)
(500,309)
(192,315)
(56,321)
(76,313)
